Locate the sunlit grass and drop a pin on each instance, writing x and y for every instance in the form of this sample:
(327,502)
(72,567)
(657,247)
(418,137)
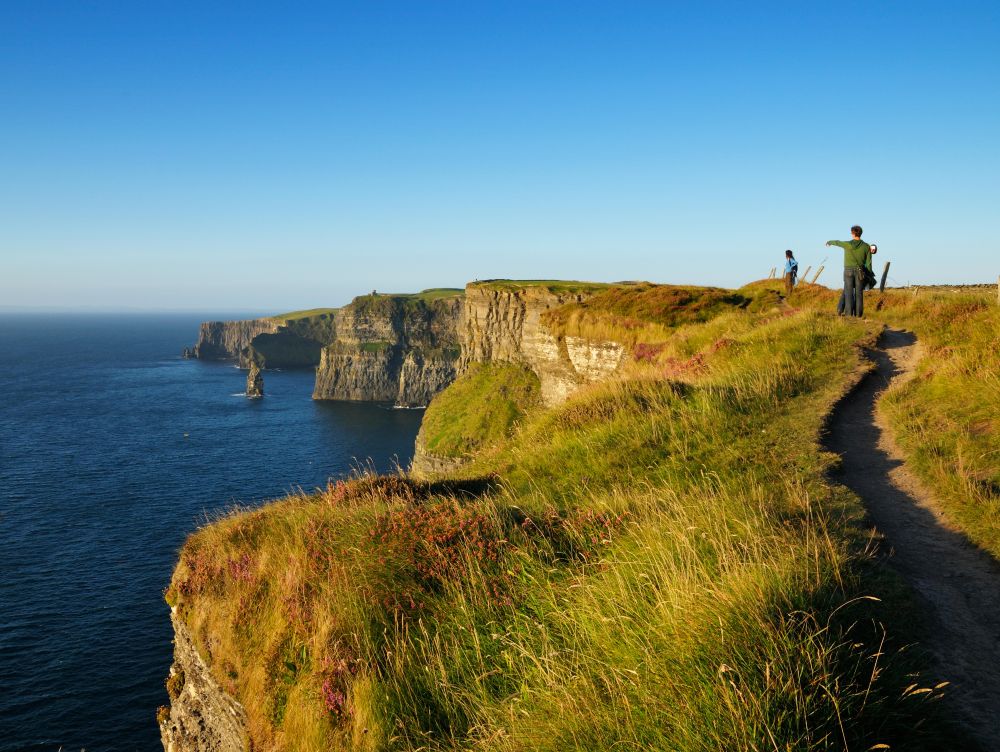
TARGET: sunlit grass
(659,563)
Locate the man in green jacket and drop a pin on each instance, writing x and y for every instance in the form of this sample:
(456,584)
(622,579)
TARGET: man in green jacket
(857,257)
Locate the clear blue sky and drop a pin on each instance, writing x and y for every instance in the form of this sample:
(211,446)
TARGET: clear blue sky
(283,155)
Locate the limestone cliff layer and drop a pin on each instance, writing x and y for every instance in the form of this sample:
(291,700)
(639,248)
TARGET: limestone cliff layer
(231,340)
(395,349)
(504,324)
(203,716)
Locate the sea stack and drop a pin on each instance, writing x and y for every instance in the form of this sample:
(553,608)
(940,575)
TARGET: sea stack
(255,381)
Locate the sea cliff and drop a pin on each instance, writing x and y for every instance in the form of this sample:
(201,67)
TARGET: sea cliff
(202,716)
(230,340)
(392,348)
(401,349)
(287,341)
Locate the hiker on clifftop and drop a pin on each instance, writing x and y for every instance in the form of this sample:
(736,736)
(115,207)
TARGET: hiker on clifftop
(857,258)
(791,272)
(840,303)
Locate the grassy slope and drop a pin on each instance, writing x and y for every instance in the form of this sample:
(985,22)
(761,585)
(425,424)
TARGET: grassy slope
(550,285)
(427,296)
(663,566)
(307,314)
(433,293)
(479,410)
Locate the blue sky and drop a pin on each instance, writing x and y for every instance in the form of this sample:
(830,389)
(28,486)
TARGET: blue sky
(283,155)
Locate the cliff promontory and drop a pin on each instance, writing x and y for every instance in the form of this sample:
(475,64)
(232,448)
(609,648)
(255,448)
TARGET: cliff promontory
(231,340)
(402,349)
(291,340)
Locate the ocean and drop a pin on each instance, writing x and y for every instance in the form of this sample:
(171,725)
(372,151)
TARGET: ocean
(112,450)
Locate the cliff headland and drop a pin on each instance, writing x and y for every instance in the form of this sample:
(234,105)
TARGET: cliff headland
(619,531)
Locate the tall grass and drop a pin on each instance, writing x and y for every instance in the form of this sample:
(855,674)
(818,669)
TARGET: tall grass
(660,563)
(947,419)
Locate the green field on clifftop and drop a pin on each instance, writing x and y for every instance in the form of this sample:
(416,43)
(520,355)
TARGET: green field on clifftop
(307,314)
(659,563)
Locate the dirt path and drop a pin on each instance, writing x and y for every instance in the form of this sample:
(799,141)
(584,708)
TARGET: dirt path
(959,583)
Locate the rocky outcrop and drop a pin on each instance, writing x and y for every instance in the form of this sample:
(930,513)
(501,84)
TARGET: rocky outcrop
(427,465)
(255,381)
(391,348)
(231,340)
(504,324)
(203,716)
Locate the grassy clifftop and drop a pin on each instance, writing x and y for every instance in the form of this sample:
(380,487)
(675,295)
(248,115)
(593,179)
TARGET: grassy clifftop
(658,563)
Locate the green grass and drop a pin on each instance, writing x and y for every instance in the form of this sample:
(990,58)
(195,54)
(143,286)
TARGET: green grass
(550,285)
(947,419)
(307,314)
(439,293)
(375,347)
(659,563)
(431,294)
(427,296)
(479,410)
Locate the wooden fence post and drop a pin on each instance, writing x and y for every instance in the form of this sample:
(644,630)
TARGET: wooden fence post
(885,276)
(774,269)
(816,275)
(805,274)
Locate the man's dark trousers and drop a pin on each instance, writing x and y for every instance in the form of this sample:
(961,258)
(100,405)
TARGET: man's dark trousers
(854,292)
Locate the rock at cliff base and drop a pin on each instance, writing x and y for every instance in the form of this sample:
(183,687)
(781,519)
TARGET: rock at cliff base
(255,382)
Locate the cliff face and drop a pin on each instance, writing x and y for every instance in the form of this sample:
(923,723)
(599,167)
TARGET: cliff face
(395,349)
(203,717)
(270,342)
(504,325)
(231,340)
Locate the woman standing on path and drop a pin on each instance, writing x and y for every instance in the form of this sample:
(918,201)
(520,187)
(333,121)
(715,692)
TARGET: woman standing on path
(791,272)
(857,257)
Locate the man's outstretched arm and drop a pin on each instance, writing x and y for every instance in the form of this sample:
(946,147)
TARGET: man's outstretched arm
(838,243)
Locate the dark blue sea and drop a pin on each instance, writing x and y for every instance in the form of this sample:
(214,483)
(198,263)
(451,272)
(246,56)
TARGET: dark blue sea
(112,450)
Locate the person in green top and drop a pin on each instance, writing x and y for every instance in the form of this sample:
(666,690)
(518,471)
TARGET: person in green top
(857,257)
